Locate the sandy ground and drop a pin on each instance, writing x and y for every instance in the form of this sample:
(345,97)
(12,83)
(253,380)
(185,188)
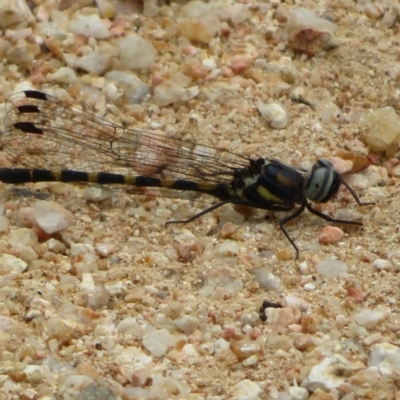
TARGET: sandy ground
(117,305)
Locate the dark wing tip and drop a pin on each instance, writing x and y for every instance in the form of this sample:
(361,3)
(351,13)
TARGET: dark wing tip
(27,127)
(34,94)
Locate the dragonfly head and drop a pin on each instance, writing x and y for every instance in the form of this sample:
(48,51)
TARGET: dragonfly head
(322,183)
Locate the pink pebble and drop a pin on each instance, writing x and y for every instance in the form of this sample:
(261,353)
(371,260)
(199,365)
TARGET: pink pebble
(240,65)
(330,234)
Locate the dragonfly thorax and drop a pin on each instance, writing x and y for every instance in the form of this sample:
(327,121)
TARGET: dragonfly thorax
(322,183)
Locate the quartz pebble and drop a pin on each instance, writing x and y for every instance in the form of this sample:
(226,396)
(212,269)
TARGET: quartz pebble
(222,279)
(52,217)
(267,280)
(167,92)
(202,30)
(383,265)
(15,12)
(22,237)
(275,114)
(246,390)
(131,326)
(331,268)
(10,264)
(134,88)
(244,348)
(99,60)
(157,341)
(381,129)
(136,53)
(386,357)
(90,26)
(62,75)
(370,319)
(309,33)
(186,323)
(323,376)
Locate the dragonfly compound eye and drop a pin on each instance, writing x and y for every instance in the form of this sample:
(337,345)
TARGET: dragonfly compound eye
(322,183)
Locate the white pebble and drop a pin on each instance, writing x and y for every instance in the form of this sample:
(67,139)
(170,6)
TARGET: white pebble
(97,61)
(14,12)
(383,265)
(309,287)
(62,75)
(135,89)
(323,376)
(90,26)
(381,129)
(10,264)
(298,393)
(370,319)
(331,268)
(4,223)
(157,341)
(22,237)
(52,217)
(167,92)
(246,390)
(274,113)
(55,246)
(386,357)
(267,280)
(186,323)
(130,325)
(136,53)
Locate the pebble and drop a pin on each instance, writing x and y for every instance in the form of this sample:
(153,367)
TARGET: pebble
(10,264)
(246,390)
(136,53)
(390,16)
(134,88)
(275,114)
(228,248)
(15,12)
(309,33)
(130,325)
(7,323)
(63,75)
(297,393)
(373,11)
(4,223)
(220,278)
(324,375)
(90,26)
(99,60)
(385,357)
(107,8)
(52,217)
(331,268)
(330,234)
(105,249)
(381,129)
(370,319)
(267,280)
(199,30)
(383,265)
(22,237)
(282,317)
(157,341)
(55,246)
(186,323)
(166,93)
(22,53)
(245,348)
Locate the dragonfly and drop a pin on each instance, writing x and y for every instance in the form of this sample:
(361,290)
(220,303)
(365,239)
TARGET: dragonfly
(54,140)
